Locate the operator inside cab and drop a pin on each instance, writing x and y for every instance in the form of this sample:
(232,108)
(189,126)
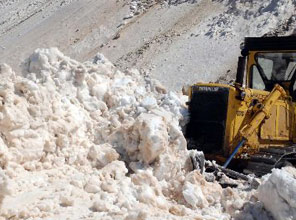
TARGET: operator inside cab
(274,68)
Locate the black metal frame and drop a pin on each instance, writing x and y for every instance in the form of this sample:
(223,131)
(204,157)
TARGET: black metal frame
(269,44)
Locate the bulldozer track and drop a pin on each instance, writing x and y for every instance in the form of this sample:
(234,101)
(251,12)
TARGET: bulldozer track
(266,159)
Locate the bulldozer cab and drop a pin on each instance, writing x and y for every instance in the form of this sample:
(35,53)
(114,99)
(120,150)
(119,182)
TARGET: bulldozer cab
(271,61)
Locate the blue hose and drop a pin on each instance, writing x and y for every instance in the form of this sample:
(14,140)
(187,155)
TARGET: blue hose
(241,143)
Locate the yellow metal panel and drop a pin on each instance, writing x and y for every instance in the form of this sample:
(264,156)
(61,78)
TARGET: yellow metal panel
(268,129)
(284,122)
(279,125)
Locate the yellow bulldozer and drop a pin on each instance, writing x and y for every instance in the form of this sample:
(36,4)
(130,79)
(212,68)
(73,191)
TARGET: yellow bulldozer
(249,126)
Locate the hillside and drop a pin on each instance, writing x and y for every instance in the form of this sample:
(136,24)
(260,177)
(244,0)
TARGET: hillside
(177,42)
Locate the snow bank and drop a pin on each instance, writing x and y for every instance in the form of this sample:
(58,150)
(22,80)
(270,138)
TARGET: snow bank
(253,18)
(85,141)
(139,6)
(278,193)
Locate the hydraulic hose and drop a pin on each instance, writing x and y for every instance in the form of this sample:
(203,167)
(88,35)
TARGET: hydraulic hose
(241,143)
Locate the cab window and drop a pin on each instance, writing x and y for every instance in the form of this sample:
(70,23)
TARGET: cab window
(272,68)
(267,66)
(257,82)
(276,66)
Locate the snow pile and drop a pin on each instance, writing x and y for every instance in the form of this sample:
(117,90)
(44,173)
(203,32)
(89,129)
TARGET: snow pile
(140,6)
(278,193)
(253,18)
(84,141)
(246,18)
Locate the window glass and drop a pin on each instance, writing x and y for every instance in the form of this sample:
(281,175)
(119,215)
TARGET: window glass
(290,69)
(257,81)
(277,66)
(266,65)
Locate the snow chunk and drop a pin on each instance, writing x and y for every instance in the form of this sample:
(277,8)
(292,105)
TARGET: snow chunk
(199,193)
(101,155)
(194,196)
(149,103)
(278,194)
(153,136)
